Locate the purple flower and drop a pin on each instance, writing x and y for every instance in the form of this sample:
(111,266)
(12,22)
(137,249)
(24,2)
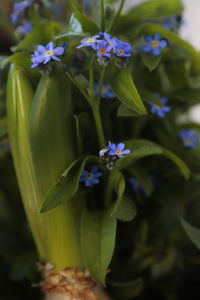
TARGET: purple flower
(25,28)
(121,49)
(160,110)
(103,49)
(90,177)
(154,44)
(118,150)
(105,91)
(188,138)
(89,42)
(44,54)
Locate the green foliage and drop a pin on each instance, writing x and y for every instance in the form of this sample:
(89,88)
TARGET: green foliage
(192,232)
(98,229)
(130,228)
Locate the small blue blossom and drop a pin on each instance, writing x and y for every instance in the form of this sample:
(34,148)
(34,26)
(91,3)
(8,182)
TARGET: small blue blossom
(105,91)
(189,138)
(121,49)
(105,150)
(25,28)
(44,54)
(135,185)
(107,47)
(90,177)
(154,44)
(118,150)
(89,42)
(19,9)
(170,23)
(103,49)
(160,110)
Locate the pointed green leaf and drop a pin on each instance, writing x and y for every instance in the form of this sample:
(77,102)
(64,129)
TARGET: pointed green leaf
(118,186)
(123,87)
(178,161)
(192,232)
(125,111)
(99,230)
(150,61)
(80,24)
(126,211)
(67,186)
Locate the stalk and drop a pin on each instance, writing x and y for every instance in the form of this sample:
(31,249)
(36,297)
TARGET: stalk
(41,138)
(102,9)
(55,232)
(112,25)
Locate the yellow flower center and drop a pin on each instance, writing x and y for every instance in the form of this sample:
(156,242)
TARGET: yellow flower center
(48,53)
(118,152)
(187,141)
(102,50)
(90,40)
(155,44)
(103,89)
(120,51)
(89,176)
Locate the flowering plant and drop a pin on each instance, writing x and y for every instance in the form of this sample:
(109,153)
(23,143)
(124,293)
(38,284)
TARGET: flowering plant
(100,150)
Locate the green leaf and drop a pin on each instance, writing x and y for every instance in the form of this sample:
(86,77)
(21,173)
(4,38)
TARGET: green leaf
(67,186)
(126,211)
(127,290)
(80,24)
(192,232)
(125,111)
(178,161)
(158,9)
(123,87)
(42,33)
(139,148)
(118,185)
(150,61)
(99,230)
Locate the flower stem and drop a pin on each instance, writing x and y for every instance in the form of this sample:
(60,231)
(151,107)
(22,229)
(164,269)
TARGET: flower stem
(100,84)
(102,8)
(97,118)
(112,24)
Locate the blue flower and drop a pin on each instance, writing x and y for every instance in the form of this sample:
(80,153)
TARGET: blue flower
(25,28)
(160,110)
(90,177)
(103,49)
(19,9)
(105,150)
(154,44)
(135,185)
(89,42)
(121,49)
(170,23)
(118,150)
(44,54)
(105,91)
(188,138)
